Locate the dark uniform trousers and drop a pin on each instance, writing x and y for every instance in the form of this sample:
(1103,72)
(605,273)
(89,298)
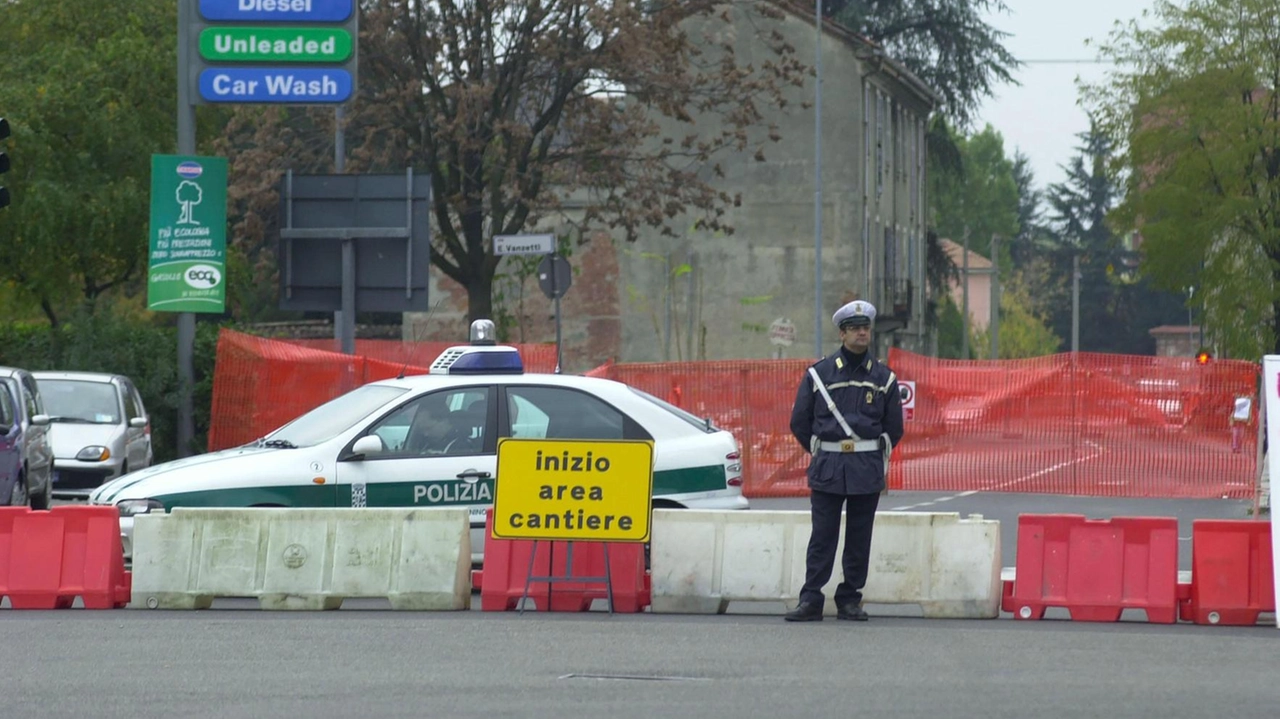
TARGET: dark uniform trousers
(826,510)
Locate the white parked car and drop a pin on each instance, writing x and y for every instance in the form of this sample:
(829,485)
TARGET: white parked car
(99,428)
(431,440)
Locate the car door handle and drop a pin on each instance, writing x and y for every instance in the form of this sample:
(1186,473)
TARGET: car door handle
(473,474)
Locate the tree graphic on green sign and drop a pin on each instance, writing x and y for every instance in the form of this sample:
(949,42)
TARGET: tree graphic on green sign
(189,195)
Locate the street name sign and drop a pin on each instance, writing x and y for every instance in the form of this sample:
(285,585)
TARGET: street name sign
(524,244)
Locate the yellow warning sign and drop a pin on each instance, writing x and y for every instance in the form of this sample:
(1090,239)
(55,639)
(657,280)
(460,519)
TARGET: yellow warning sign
(573,490)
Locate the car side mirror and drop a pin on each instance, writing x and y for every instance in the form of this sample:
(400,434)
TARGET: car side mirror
(40,419)
(138,422)
(367,446)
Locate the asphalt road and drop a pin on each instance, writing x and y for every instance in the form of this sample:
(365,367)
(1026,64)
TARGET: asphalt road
(235,661)
(233,664)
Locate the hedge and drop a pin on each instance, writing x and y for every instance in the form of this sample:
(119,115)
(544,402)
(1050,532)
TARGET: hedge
(141,350)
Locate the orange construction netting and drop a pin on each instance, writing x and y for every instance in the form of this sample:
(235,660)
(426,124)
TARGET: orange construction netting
(1088,424)
(1083,424)
(260,384)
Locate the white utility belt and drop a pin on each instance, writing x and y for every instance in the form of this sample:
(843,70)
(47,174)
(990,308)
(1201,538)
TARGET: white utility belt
(851,445)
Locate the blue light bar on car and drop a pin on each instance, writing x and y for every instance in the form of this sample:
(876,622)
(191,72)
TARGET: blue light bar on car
(487,360)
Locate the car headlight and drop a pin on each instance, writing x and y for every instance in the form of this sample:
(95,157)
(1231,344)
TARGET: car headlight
(134,507)
(94,453)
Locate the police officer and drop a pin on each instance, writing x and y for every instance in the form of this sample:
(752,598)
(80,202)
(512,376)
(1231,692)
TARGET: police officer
(849,417)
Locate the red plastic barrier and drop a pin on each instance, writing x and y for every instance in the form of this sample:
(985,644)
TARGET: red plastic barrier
(1096,568)
(1231,572)
(506,567)
(48,558)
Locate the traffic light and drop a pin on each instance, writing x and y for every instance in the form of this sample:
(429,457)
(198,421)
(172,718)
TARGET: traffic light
(4,163)
(1203,357)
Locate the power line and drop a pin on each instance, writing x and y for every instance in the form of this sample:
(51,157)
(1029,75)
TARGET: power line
(1065,61)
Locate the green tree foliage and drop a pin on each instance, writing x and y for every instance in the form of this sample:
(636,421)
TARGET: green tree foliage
(1194,102)
(981,198)
(88,87)
(1034,250)
(141,351)
(1023,329)
(946,43)
(950,329)
(512,106)
(1118,305)
(1030,209)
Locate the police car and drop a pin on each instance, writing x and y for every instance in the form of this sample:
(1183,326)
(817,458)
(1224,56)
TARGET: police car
(431,441)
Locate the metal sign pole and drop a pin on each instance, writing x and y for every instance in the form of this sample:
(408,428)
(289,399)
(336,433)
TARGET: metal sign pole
(555,283)
(551,578)
(348,324)
(186,320)
(1260,457)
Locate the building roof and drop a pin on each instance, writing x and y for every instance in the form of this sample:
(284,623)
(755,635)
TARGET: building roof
(1174,330)
(956,253)
(874,52)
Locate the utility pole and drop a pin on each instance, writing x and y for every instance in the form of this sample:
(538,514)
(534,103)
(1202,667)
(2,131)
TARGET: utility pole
(817,181)
(995,296)
(964,288)
(1075,303)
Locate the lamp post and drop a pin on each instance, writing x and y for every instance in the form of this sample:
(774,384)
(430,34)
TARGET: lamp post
(817,180)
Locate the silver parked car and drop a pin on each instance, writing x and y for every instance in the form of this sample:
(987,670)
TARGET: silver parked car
(99,428)
(28,433)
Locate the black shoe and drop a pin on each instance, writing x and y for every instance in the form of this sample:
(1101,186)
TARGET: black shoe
(805,612)
(852,612)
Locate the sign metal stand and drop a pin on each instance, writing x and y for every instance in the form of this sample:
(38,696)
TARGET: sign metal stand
(568,577)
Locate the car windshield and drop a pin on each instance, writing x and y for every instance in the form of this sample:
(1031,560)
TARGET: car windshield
(703,424)
(78,401)
(333,417)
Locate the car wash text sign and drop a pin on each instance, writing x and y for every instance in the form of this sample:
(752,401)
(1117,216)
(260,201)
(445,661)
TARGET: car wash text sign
(574,490)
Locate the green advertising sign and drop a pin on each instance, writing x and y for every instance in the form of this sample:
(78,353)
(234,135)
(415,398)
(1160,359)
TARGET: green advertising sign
(187,263)
(275,44)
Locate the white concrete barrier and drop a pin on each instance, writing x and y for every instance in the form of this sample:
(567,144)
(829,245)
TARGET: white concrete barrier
(303,558)
(700,560)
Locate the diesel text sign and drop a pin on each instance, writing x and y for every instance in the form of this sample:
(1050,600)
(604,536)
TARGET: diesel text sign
(574,490)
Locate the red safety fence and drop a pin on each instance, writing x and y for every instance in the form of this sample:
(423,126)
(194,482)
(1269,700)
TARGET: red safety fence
(1232,573)
(1095,568)
(260,384)
(572,587)
(1083,424)
(50,557)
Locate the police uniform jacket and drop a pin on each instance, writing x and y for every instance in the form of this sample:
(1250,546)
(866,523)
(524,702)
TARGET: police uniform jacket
(866,392)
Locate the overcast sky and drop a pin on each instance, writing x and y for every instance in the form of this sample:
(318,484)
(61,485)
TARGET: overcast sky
(1041,118)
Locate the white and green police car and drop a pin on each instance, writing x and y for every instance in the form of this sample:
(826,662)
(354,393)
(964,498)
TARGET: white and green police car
(431,441)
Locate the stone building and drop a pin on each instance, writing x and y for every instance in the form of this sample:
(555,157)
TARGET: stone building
(702,296)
